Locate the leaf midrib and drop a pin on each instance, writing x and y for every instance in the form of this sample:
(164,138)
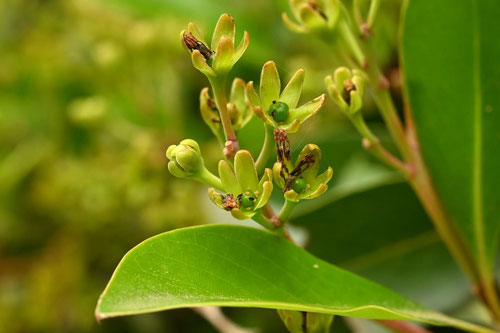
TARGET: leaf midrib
(478,218)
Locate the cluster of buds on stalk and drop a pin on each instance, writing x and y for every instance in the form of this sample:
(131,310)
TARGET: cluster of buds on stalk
(215,62)
(243,186)
(314,16)
(346,88)
(329,20)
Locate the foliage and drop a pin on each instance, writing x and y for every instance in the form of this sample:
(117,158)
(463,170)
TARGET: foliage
(92,94)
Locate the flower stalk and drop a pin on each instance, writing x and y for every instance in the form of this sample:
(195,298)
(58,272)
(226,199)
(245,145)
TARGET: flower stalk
(231,145)
(287,209)
(267,149)
(352,43)
(215,63)
(365,26)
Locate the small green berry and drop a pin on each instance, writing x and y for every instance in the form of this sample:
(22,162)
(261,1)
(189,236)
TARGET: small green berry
(299,185)
(279,111)
(247,200)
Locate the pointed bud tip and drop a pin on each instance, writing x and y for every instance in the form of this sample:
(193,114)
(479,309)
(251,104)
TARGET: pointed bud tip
(268,64)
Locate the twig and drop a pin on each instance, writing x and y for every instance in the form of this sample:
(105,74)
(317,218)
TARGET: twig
(231,146)
(398,326)
(220,322)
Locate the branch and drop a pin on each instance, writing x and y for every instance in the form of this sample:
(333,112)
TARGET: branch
(398,326)
(223,324)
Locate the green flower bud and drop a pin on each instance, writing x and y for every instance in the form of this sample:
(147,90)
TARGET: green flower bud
(243,193)
(186,162)
(299,185)
(346,89)
(270,87)
(239,108)
(314,15)
(247,200)
(279,111)
(218,58)
(185,158)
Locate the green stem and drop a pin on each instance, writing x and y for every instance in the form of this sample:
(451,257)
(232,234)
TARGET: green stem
(210,179)
(280,220)
(286,210)
(356,8)
(421,182)
(364,27)
(263,221)
(372,143)
(351,41)
(384,102)
(424,188)
(372,13)
(218,88)
(489,293)
(276,223)
(266,151)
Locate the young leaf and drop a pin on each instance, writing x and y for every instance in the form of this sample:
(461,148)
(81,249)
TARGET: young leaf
(245,267)
(450,55)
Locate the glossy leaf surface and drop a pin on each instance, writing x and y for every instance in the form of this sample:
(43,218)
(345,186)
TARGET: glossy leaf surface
(246,267)
(451,69)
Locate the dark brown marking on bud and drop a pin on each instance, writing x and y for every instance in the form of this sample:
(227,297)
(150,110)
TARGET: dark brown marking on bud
(211,104)
(228,202)
(283,150)
(306,162)
(194,44)
(214,117)
(346,94)
(314,5)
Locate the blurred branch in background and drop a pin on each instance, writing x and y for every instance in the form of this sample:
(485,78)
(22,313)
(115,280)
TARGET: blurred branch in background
(214,316)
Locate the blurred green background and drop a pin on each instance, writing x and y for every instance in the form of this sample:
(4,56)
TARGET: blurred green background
(91,95)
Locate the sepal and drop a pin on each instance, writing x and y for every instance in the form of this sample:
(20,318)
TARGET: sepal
(264,104)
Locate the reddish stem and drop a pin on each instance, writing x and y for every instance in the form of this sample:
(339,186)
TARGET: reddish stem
(403,326)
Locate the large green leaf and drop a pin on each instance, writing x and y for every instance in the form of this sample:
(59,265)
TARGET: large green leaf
(246,267)
(450,57)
